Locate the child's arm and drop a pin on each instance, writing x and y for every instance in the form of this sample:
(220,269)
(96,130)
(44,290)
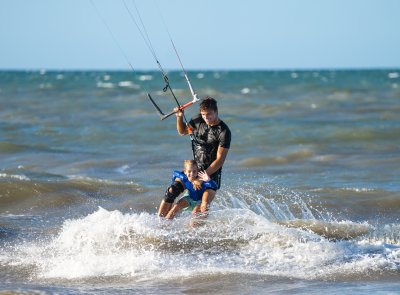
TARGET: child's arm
(197,184)
(204,176)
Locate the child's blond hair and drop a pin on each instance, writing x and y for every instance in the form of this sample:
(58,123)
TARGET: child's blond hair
(189,163)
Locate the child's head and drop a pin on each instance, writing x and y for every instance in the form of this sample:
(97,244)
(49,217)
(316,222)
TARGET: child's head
(190,169)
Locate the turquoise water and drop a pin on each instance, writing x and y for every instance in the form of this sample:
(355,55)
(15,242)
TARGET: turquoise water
(310,196)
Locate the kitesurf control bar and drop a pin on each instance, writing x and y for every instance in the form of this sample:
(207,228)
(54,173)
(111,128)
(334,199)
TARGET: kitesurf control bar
(181,108)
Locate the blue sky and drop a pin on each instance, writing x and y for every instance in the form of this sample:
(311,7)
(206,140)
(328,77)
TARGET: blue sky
(209,34)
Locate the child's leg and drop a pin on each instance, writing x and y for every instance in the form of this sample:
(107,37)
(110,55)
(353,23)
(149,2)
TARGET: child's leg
(176,208)
(197,216)
(207,198)
(196,209)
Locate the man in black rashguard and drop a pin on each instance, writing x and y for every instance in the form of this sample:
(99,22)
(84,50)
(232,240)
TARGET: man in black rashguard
(211,139)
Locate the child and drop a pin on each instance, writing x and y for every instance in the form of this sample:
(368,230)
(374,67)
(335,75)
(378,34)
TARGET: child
(198,184)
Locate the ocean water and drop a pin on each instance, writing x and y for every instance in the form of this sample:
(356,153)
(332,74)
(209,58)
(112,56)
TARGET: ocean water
(309,203)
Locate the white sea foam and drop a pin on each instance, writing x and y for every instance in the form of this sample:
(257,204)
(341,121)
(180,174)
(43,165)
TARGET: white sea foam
(245,90)
(15,176)
(145,77)
(105,85)
(91,179)
(123,169)
(143,247)
(128,84)
(217,75)
(358,189)
(45,85)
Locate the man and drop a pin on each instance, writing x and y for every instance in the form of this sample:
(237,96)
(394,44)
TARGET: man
(211,139)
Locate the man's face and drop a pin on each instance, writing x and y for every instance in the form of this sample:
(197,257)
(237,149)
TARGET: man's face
(209,116)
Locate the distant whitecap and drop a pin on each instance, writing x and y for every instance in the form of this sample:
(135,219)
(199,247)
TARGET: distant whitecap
(123,169)
(60,77)
(294,75)
(200,76)
(245,90)
(393,75)
(19,177)
(105,85)
(145,77)
(106,77)
(45,86)
(128,84)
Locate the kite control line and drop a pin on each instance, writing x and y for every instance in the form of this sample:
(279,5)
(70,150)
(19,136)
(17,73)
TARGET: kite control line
(145,36)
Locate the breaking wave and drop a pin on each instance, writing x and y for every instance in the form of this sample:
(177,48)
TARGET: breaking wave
(231,241)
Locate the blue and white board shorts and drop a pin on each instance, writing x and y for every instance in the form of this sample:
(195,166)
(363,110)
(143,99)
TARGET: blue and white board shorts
(192,203)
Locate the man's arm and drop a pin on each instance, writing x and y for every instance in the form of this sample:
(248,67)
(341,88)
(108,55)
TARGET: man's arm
(219,161)
(180,125)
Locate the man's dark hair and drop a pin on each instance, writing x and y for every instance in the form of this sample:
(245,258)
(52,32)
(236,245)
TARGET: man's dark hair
(208,103)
